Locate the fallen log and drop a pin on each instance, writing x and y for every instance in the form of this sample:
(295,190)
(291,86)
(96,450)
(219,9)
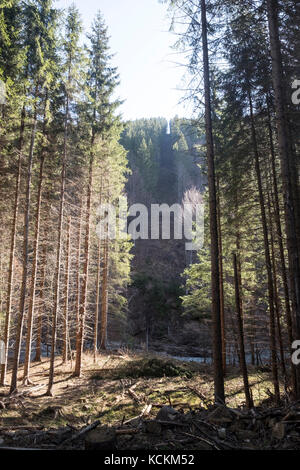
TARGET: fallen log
(145,412)
(79,434)
(134,396)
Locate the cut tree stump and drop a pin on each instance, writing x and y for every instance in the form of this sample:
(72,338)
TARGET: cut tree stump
(103,438)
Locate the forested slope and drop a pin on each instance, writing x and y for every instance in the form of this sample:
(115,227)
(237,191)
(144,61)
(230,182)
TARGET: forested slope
(166,168)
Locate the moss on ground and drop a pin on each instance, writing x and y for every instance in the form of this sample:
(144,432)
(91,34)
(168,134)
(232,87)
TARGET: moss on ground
(103,392)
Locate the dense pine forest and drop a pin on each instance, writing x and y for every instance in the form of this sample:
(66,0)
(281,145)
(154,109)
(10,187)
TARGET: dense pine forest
(110,340)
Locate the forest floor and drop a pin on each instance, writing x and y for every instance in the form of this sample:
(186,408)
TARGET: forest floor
(116,389)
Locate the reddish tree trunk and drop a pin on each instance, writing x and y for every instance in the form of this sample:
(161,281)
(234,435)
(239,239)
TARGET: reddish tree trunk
(83,297)
(214,237)
(267,255)
(26,379)
(222,310)
(41,307)
(66,303)
(58,254)
(238,303)
(104,297)
(284,277)
(12,251)
(19,328)
(285,158)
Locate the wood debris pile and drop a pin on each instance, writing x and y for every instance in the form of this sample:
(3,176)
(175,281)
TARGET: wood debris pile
(212,428)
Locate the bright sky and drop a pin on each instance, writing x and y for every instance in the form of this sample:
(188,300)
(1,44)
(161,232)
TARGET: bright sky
(150,81)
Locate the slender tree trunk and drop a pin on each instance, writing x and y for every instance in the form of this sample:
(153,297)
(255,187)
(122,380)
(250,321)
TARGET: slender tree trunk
(252,346)
(276,299)
(82,310)
(58,254)
(12,251)
(19,329)
(267,255)
(27,361)
(41,307)
(235,340)
(96,320)
(294,169)
(243,364)
(222,310)
(281,252)
(78,267)
(104,297)
(26,379)
(215,272)
(285,157)
(1,271)
(56,282)
(66,304)
(238,248)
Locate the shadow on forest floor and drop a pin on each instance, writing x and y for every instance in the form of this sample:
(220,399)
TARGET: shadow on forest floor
(117,386)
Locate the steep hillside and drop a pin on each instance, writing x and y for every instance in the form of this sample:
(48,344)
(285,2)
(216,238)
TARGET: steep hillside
(165,166)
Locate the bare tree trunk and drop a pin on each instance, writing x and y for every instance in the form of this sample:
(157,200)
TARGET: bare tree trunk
(267,255)
(82,310)
(281,252)
(277,301)
(104,297)
(58,254)
(96,320)
(26,379)
(215,272)
(12,251)
(66,304)
(243,364)
(222,310)
(282,129)
(1,271)
(78,266)
(19,330)
(56,282)
(41,307)
(235,346)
